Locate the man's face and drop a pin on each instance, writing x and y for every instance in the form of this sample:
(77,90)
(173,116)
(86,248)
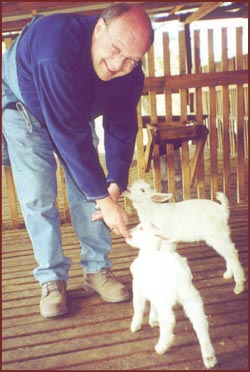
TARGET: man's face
(116,48)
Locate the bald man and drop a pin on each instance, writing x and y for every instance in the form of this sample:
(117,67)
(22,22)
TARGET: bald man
(62,72)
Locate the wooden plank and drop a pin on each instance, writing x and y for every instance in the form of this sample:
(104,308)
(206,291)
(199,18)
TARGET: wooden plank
(205,8)
(167,72)
(199,116)
(12,197)
(175,9)
(197,158)
(7,41)
(226,113)
(92,341)
(156,168)
(197,80)
(246,147)
(183,100)
(212,121)
(139,144)
(64,194)
(149,148)
(240,120)
(168,115)
(139,148)
(153,112)
(233,114)
(17,14)
(95,335)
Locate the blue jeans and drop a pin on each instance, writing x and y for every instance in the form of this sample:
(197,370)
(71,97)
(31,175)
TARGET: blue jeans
(34,170)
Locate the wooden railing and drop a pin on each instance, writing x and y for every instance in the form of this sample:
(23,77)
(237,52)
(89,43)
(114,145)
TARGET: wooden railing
(219,98)
(216,96)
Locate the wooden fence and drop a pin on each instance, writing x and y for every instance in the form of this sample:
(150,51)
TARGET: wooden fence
(215,95)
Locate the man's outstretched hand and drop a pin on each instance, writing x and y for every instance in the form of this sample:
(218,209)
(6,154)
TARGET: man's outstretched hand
(111,213)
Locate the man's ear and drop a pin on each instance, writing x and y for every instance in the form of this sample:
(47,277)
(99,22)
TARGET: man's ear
(99,27)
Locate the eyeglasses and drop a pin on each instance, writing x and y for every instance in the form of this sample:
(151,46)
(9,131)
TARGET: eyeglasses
(129,63)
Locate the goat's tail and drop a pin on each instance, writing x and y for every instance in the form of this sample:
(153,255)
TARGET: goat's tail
(224,203)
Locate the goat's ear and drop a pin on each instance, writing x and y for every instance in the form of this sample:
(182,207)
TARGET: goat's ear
(165,238)
(147,226)
(160,197)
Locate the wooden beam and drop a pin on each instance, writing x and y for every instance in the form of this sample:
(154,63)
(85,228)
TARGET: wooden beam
(206,8)
(16,15)
(22,7)
(188,48)
(199,80)
(175,9)
(219,13)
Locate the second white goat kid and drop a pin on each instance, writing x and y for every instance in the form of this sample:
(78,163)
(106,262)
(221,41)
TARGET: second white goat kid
(190,221)
(169,282)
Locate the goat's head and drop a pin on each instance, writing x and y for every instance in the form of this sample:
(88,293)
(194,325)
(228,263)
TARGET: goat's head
(147,237)
(141,190)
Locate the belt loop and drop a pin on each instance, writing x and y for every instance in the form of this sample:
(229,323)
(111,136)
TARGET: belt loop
(20,107)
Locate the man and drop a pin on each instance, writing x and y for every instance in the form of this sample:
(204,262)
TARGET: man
(62,72)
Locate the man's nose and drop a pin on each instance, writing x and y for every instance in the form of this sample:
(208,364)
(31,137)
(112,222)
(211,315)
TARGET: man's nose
(118,62)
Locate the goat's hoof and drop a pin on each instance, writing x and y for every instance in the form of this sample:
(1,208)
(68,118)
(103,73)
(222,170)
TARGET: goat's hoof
(153,323)
(210,361)
(160,350)
(135,327)
(228,274)
(239,288)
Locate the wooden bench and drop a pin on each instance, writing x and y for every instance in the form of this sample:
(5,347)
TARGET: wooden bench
(174,135)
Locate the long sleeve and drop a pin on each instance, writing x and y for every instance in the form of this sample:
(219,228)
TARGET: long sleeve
(121,127)
(62,91)
(65,103)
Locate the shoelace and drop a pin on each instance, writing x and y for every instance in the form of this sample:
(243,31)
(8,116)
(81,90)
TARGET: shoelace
(49,287)
(108,273)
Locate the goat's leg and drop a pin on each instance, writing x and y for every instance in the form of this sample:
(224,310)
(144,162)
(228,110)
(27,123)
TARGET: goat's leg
(234,266)
(226,248)
(193,307)
(166,320)
(139,302)
(153,317)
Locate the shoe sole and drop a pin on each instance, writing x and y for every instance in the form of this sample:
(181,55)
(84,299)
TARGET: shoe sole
(53,315)
(90,289)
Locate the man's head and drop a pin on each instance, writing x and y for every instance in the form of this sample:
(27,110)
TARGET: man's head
(121,37)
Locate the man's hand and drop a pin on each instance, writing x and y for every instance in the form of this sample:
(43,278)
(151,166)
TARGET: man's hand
(114,192)
(113,216)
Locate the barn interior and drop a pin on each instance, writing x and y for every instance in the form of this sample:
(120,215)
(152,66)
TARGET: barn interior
(192,141)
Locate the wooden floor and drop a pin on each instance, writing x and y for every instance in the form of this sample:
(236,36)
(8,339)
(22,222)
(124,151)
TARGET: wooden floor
(95,335)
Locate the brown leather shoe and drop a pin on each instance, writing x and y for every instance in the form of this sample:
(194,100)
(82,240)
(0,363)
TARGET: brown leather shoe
(108,287)
(53,299)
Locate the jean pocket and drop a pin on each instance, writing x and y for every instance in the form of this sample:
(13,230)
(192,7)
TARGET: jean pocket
(29,119)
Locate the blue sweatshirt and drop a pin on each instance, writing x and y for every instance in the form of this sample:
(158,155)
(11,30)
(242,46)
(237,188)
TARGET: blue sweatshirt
(62,91)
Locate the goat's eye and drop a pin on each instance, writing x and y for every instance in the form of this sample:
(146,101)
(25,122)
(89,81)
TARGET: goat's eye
(142,190)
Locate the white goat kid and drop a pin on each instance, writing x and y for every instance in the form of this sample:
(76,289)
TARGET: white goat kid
(163,277)
(189,221)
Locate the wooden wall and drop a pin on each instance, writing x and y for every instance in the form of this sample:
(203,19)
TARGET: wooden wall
(216,95)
